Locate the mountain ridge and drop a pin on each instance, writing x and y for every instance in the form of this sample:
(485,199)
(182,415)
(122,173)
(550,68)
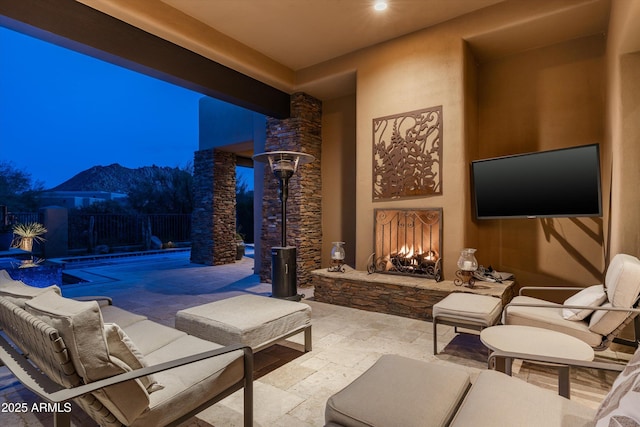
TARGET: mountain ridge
(113,178)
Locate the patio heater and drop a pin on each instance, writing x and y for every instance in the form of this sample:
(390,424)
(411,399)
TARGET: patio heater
(284,164)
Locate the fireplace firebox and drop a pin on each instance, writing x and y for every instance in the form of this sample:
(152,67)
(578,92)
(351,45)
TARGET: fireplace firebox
(408,242)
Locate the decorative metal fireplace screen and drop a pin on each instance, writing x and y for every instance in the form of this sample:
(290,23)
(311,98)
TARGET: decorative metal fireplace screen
(408,242)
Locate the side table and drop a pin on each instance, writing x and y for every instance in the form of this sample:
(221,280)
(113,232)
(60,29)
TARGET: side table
(537,344)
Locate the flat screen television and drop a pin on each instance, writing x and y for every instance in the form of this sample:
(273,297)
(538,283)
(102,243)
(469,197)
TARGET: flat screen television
(555,183)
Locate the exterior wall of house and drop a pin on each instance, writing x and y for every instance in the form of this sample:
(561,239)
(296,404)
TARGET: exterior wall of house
(542,98)
(415,72)
(339,177)
(623,132)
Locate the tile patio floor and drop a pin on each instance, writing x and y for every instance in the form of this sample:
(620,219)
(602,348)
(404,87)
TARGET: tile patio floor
(345,343)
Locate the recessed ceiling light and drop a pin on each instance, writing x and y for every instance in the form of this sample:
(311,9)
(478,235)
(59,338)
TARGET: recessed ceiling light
(380,5)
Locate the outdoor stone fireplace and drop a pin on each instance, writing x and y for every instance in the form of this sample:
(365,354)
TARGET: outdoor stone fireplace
(408,242)
(401,273)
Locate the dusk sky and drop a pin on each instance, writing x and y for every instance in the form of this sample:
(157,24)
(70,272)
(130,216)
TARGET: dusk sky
(62,112)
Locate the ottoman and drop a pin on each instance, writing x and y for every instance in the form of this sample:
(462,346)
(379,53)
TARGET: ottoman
(466,310)
(398,391)
(252,320)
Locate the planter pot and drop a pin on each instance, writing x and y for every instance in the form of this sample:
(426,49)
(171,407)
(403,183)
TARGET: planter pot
(26,244)
(5,240)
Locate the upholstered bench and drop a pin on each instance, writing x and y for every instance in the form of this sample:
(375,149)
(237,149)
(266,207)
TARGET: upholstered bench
(251,320)
(466,310)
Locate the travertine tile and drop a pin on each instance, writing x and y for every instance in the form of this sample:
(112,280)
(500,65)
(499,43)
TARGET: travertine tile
(346,342)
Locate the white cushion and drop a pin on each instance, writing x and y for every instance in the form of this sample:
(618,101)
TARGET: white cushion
(189,386)
(623,280)
(248,319)
(467,307)
(592,296)
(498,400)
(398,391)
(622,283)
(121,346)
(548,318)
(80,325)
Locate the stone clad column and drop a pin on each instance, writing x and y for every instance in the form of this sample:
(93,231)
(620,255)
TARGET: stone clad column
(301,132)
(213,219)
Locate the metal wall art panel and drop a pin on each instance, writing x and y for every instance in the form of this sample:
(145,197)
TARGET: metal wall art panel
(407,154)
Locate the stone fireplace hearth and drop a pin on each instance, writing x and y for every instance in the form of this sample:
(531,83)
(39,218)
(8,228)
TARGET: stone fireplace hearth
(408,296)
(408,242)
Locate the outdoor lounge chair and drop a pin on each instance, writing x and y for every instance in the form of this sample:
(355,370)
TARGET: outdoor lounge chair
(596,315)
(119,367)
(398,391)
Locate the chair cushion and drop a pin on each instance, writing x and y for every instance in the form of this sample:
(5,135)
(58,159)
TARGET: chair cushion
(397,391)
(622,283)
(621,406)
(18,292)
(622,280)
(496,399)
(591,296)
(548,318)
(189,386)
(150,336)
(480,309)
(248,319)
(123,318)
(80,325)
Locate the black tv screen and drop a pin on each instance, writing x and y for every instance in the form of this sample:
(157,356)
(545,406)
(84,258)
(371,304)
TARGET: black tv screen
(556,183)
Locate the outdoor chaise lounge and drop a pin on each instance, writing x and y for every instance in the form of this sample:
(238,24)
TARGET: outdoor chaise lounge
(597,314)
(119,367)
(397,391)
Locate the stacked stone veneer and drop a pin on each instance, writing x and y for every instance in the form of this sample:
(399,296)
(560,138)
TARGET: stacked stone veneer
(214,214)
(301,132)
(393,294)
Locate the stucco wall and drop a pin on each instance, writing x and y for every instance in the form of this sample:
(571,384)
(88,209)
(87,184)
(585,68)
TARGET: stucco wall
(544,98)
(623,132)
(338,176)
(411,73)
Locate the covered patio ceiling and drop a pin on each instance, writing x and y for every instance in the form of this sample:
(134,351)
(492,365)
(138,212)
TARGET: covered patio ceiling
(253,52)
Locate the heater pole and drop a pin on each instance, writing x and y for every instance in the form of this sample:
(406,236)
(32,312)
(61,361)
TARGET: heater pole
(284,194)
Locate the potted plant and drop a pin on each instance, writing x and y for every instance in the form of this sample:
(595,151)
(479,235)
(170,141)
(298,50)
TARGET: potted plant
(27,233)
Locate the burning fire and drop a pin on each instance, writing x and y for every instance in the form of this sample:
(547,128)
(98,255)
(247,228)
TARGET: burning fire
(408,252)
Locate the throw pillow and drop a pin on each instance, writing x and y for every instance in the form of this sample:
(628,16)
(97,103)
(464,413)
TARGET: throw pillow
(621,406)
(80,325)
(121,346)
(592,296)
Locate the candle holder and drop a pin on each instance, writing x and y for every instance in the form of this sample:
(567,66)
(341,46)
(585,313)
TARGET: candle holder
(337,258)
(467,265)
